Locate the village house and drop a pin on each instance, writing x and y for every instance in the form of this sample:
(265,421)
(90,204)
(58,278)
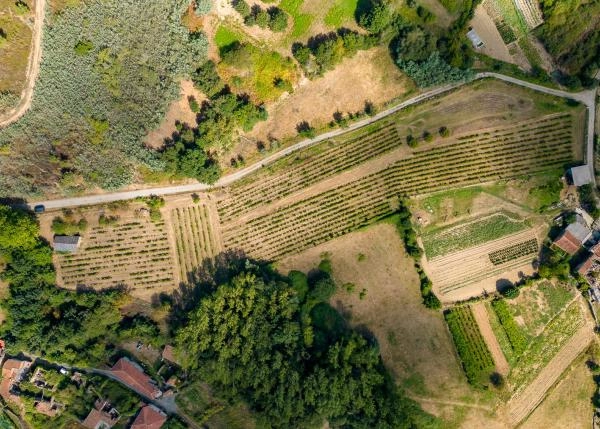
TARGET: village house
(102,416)
(581,175)
(149,417)
(131,374)
(574,235)
(13,372)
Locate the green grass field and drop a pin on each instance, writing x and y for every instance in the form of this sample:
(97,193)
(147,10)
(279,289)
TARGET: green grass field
(225,36)
(341,12)
(441,241)
(302,21)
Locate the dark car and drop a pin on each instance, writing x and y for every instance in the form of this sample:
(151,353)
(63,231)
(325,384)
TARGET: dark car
(39,208)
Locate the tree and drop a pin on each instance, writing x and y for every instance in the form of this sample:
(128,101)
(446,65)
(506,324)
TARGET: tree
(242,8)
(207,79)
(433,71)
(376,19)
(278,19)
(18,229)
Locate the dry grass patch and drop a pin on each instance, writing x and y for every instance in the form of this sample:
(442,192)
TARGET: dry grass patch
(415,344)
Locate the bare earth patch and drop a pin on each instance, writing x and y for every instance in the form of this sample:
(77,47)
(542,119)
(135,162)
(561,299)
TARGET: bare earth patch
(179,110)
(481,316)
(494,47)
(369,75)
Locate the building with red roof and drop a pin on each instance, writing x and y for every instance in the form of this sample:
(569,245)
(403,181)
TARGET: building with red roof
(574,235)
(13,372)
(99,420)
(133,375)
(149,417)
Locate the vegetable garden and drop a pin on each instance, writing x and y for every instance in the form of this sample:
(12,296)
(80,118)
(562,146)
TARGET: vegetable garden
(194,237)
(474,354)
(515,251)
(528,147)
(135,253)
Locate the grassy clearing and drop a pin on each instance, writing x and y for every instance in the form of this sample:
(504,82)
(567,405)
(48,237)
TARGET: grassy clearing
(198,402)
(263,74)
(453,6)
(543,348)
(500,335)
(302,21)
(226,36)
(441,241)
(341,12)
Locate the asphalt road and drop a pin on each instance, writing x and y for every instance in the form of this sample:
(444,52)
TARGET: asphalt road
(588,98)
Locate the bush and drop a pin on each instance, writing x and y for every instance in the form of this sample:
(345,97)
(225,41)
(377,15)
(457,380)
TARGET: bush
(242,8)
(207,79)
(68,227)
(278,20)
(444,132)
(511,292)
(433,71)
(202,7)
(305,130)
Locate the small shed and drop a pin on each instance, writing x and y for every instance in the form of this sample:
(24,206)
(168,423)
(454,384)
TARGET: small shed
(581,175)
(475,39)
(66,243)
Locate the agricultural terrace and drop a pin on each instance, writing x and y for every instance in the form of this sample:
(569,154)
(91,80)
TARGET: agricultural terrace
(135,252)
(16,22)
(368,191)
(472,349)
(196,239)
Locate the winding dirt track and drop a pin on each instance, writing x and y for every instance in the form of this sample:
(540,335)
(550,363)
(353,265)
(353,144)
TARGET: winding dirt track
(481,316)
(33,68)
(523,404)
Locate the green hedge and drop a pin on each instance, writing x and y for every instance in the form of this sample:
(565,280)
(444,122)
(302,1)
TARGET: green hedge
(516,337)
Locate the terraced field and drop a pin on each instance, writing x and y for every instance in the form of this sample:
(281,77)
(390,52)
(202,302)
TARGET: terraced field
(195,239)
(135,253)
(525,148)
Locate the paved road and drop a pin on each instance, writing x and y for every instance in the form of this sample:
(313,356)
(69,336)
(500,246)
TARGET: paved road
(585,97)
(33,67)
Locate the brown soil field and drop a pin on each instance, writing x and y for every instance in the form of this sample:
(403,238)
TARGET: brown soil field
(569,403)
(179,110)
(368,76)
(415,343)
(481,316)
(521,405)
(470,272)
(485,27)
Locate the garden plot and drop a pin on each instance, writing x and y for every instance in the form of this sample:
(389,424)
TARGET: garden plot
(477,265)
(195,237)
(135,252)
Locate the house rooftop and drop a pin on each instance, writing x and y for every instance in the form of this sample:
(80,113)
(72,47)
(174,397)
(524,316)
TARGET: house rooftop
(581,175)
(586,265)
(475,39)
(133,376)
(169,354)
(98,420)
(66,243)
(149,417)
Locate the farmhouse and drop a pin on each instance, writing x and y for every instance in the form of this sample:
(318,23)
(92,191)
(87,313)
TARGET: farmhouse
(581,175)
(66,243)
(149,417)
(133,376)
(13,372)
(574,235)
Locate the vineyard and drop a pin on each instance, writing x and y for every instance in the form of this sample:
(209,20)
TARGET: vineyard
(474,354)
(525,148)
(135,253)
(195,240)
(516,251)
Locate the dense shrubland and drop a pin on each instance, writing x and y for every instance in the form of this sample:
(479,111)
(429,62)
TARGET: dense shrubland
(108,75)
(273,18)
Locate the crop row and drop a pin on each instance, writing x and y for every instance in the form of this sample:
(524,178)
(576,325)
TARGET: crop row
(136,254)
(194,237)
(515,251)
(349,206)
(308,171)
(474,354)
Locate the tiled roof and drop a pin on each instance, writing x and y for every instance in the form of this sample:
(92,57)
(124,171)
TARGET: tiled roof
(149,417)
(585,266)
(97,420)
(168,354)
(567,242)
(132,375)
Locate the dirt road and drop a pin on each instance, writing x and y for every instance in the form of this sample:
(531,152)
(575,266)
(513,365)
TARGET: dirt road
(481,316)
(585,97)
(33,68)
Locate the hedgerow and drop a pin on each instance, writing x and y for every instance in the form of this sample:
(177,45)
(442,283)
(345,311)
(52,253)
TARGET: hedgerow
(518,341)
(109,62)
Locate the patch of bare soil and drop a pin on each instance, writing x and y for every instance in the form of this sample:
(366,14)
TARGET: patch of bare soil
(368,76)
(414,342)
(494,47)
(568,404)
(179,110)
(481,316)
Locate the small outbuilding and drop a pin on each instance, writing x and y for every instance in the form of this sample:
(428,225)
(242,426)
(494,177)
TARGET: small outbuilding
(475,39)
(581,175)
(66,243)
(574,235)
